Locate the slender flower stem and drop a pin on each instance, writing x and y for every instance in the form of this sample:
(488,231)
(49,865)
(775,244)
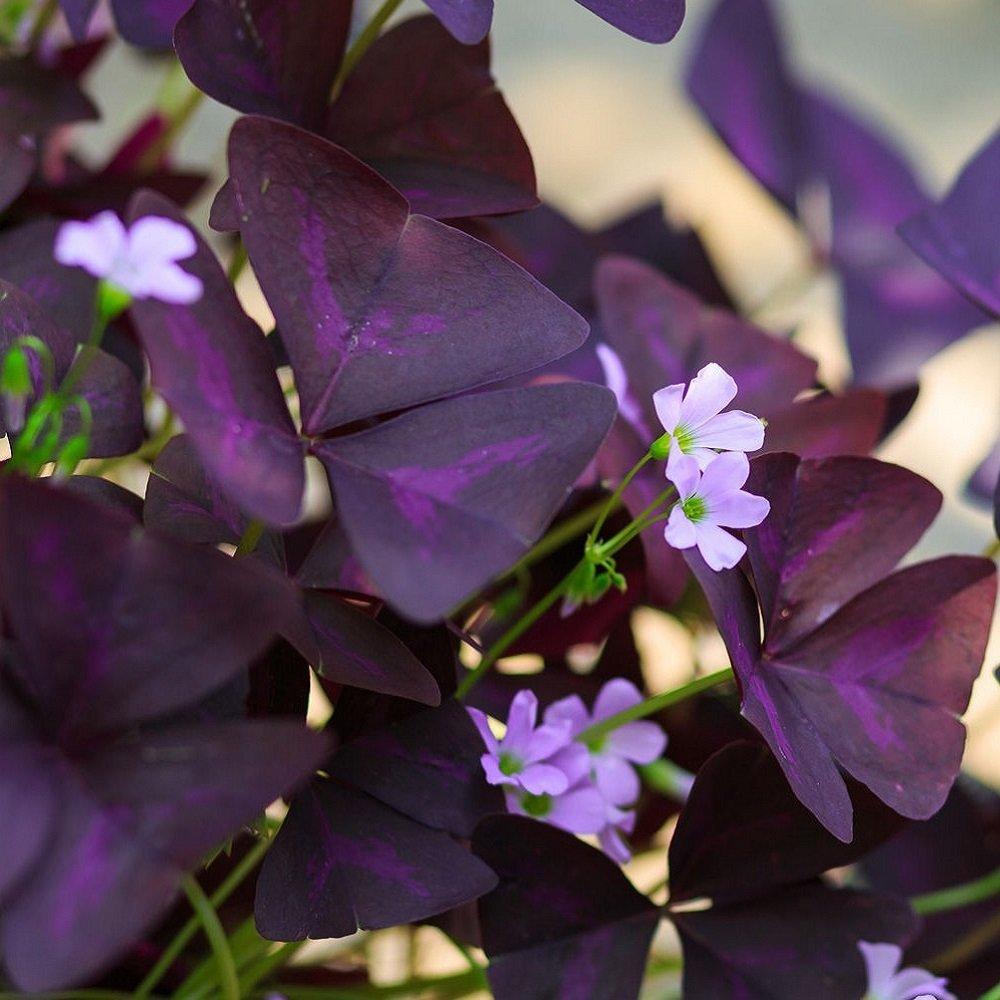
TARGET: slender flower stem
(653,705)
(956,896)
(993,994)
(362,44)
(454,985)
(232,882)
(251,536)
(471,679)
(85,356)
(617,496)
(240,260)
(968,947)
(178,118)
(992,550)
(225,965)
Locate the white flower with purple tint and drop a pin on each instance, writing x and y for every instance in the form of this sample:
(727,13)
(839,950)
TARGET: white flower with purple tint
(523,757)
(695,424)
(886,981)
(616,379)
(611,836)
(141,260)
(708,503)
(613,755)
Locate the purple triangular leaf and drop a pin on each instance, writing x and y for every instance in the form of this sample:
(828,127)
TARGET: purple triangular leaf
(78,14)
(134,817)
(214,368)
(149,23)
(743,833)
(342,860)
(958,236)
(468,20)
(564,920)
(267,57)
(439,500)
(114,634)
(426,766)
(424,111)
(647,20)
(379,309)
(805,937)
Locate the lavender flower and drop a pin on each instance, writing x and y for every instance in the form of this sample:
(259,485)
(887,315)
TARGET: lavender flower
(523,758)
(695,424)
(710,501)
(886,981)
(141,261)
(612,755)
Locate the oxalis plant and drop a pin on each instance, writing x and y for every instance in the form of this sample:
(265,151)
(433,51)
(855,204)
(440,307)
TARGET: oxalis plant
(240,739)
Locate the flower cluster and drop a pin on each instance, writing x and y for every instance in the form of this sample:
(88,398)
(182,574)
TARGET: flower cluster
(560,772)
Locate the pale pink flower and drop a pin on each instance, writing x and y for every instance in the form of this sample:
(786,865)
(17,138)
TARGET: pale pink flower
(141,260)
(709,502)
(886,981)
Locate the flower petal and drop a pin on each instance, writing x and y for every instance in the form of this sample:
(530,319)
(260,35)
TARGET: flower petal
(491,768)
(93,245)
(616,779)
(614,697)
(574,761)
(718,548)
(739,509)
(613,844)
(639,742)
(578,811)
(733,430)
(163,281)
(483,725)
(571,709)
(724,474)
(680,532)
(546,740)
(521,718)
(667,403)
(709,393)
(919,983)
(682,471)
(155,240)
(881,962)
(543,779)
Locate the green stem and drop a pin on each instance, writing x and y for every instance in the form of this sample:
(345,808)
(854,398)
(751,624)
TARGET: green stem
(232,882)
(993,994)
(473,677)
(968,947)
(637,525)
(239,261)
(456,984)
(85,356)
(225,966)
(992,550)
(263,967)
(957,896)
(179,119)
(362,44)
(617,496)
(653,705)
(251,536)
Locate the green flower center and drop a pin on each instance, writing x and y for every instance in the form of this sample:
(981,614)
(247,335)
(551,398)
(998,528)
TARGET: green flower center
(684,438)
(509,763)
(694,509)
(536,805)
(595,744)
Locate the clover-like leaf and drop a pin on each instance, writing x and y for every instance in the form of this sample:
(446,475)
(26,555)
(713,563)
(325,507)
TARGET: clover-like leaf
(213,366)
(267,57)
(439,500)
(957,237)
(424,111)
(378,309)
(877,673)
(564,920)
(754,919)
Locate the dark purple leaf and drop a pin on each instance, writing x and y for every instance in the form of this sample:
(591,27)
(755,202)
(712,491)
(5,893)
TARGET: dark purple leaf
(214,368)
(33,101)
(342,860)
(379,309)
(104,491)
(105,640)
(803,938)
(564,921)
(78,14)
(743,832)
(268,57)
(424,111)
(439,500)
(134,817)
(874,684)
(149,23)
(958,236)
(426,766)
